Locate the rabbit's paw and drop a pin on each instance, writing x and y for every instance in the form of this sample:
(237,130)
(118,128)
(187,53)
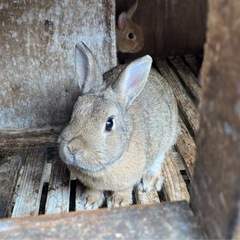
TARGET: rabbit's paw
(91,199)
(120,199)
(150,182)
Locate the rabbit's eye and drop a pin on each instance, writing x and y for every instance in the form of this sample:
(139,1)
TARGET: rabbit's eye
(130,35)
(109,124)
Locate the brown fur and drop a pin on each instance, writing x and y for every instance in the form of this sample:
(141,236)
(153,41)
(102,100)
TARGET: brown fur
(125,26)
(145,127)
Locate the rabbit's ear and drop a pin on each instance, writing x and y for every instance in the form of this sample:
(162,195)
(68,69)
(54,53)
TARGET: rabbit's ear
(122,21)
(88,72)
(132,80)
(132,9)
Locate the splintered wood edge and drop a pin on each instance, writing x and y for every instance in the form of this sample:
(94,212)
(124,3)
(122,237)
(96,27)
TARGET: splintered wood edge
(185,104)
(174,185)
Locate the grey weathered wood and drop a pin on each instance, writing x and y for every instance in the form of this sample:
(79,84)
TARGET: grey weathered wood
(29,192)
(187,148)
(165,221)
(9,172)
(37,57)
(187,76)
(187,108)
(174,185)
(59,188)
(32,139)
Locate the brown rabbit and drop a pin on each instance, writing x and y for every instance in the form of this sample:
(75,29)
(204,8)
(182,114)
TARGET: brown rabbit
(121,129)
(129,34)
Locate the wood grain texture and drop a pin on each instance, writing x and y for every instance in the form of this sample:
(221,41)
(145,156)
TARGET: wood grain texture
(31,139)
(187,108)
(37,57)
(29,192)
(188,78)
(166,221)
(59,188)
(187,148)
(216,192)
(174,185)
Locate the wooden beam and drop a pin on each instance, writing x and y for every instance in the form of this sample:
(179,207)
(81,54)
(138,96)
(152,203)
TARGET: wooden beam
(216,192)
(165,221)
(9,172)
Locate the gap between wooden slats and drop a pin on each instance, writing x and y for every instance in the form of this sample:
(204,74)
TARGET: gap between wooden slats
(174,187)
(192,63)
(185,104)
(29,192)
(187,77)
(59,187)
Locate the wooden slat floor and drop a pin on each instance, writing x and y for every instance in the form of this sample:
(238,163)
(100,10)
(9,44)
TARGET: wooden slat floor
(34,181)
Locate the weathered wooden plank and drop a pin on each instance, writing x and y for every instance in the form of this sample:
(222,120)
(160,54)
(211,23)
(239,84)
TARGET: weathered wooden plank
(47,173)
(9,172)
(187,76)
(33,139)
(186,106)
(30,189)
(179,160)
(38,82)
(187,148)
(165,221)
(59,187)
(174,185)
(216,183)
(192,63)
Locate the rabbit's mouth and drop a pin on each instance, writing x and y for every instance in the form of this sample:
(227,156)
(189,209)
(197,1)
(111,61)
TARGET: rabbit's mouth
(90,168)
(77,161)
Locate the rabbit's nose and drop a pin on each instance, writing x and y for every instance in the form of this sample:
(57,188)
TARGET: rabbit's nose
(75,146)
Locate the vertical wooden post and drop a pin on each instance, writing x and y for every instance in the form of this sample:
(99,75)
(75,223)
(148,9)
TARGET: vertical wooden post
(216,186)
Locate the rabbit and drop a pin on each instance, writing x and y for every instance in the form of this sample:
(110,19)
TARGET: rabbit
(122,126)
(128,34)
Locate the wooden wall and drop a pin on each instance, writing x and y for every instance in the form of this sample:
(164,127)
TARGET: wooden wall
(216,192)
(37,49)
(170,26)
